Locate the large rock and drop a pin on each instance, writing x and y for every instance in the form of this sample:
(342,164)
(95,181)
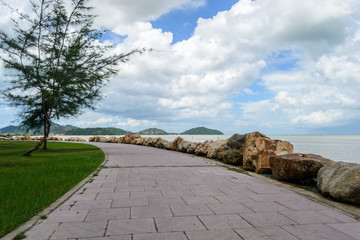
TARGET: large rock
(217,149)
(2,138)
(233,153)
(258,149)
(150,142)
(192,147)
(160,143)
(27,137)
(134,138)
(112,139)
(340,181)
(297,166)
(75,139)
(139,141)
(97,139)
(176,143)
(130,139)
(127,138)
(203,148)
(169,145)
(183,146)
(54,138)
(146,140)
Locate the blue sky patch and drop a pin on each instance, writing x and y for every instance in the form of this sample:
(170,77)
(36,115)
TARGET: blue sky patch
(182,22)
(114,38)
(283,60)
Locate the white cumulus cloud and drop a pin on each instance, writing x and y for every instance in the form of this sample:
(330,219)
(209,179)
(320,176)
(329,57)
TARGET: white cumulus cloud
(197,80)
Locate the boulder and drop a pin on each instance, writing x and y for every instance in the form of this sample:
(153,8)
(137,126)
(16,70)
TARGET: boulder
(176,143)
(139,141)
(149,142)
(203,148)
(134,138)
(340,181)
(145,141)
(75,139)
(160,143)
(112,139)
(169,145)
(192,147)
(121,140)
(100,139)
(297,166)
(217,149)
(51,138)
(27,138)
(5,138)
(183,146)
(258,149)
(127,138)
(130,139)
(94,139)
(233,153)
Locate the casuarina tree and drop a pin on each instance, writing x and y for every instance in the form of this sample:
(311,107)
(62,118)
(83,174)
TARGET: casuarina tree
(55,63)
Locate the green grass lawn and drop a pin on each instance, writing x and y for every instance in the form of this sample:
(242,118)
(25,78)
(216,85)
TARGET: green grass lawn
(30,184)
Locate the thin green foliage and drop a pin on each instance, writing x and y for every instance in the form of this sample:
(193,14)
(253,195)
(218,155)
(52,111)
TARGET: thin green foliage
(57,64)
(30,184)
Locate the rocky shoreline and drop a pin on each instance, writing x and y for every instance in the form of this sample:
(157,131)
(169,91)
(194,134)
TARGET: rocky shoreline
(257,153)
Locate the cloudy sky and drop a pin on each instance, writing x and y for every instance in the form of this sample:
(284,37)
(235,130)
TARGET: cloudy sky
(275,66)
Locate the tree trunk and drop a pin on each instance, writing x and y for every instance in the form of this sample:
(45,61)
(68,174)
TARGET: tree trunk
(47,125)
(28,152)
(42,141)
(45,138)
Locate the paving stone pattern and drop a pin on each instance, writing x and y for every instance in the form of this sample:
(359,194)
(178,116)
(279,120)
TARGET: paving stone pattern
(148,193)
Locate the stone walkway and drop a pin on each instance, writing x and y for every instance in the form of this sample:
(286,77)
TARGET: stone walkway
(149,193)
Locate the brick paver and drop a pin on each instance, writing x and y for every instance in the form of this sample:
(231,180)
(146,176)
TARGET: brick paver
(149,193)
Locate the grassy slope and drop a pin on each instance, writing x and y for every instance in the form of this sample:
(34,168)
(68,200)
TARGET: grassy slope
(30,184)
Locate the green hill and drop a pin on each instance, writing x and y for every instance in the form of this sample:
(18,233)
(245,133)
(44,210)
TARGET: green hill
(153,131)
(59,129)
(11,129)
(202,131)
(55,129)
(96,131)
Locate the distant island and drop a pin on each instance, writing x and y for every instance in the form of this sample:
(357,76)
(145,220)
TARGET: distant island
(72,130)
(153,131)
(202,131)
(97,131)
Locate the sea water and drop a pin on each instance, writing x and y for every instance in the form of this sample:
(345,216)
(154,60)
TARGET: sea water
(337,148)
